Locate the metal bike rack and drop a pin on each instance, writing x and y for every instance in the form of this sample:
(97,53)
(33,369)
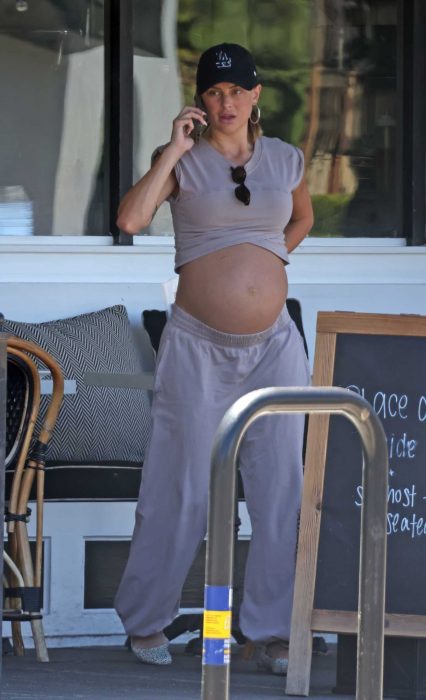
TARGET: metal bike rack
(220,540)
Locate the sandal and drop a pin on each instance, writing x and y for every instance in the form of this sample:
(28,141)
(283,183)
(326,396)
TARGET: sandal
(158,656)
(267,662)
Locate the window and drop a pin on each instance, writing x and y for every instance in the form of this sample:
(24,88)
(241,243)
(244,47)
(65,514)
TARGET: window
(337,77)
(157,91)
(328,68)
(350,128)
(51,119)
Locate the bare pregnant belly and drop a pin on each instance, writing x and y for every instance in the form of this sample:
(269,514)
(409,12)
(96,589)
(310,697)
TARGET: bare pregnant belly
(240,289)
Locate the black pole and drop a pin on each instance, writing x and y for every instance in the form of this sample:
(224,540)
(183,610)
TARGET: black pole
(417,70)
(411,139)
(118,148)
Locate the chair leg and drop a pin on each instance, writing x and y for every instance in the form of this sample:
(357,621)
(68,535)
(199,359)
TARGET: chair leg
(28,575)
(14,603)
(17,639)
(39,640)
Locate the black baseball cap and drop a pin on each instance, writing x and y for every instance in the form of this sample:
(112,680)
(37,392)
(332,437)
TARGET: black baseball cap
(226,63)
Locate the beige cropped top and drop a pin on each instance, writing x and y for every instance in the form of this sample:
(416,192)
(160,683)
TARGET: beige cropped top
(207,216)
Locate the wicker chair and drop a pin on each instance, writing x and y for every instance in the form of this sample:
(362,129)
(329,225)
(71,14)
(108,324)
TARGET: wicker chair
(25,459)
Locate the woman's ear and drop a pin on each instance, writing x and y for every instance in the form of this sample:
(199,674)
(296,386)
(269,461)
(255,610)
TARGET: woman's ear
(256,93)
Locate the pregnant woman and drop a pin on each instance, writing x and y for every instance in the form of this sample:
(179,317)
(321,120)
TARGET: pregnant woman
(240,205)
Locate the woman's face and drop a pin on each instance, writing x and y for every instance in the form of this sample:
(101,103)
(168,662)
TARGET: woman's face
(229,106)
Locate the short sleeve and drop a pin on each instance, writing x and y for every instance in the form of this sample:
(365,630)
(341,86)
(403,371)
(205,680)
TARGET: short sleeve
(299,168)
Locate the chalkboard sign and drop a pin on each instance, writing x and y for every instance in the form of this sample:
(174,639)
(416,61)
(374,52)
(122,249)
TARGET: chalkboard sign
(381,357)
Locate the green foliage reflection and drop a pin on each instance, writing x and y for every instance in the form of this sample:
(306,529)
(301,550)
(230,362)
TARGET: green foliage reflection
(275,31)
(330,211)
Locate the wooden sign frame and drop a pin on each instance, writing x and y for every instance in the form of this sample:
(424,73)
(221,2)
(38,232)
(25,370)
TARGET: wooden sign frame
(306,619)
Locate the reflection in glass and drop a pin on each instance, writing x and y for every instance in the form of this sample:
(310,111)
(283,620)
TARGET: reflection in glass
(156,90)
(51,121)
(16,212)
(328,68)
(349,142)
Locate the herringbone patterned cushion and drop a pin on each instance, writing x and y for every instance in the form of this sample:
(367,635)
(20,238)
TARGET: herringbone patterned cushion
(96,423)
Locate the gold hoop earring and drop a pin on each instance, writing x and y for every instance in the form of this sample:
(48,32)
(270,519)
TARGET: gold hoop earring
(256,119)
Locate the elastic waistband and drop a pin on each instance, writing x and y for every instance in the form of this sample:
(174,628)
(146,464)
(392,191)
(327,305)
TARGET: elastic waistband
(186,322)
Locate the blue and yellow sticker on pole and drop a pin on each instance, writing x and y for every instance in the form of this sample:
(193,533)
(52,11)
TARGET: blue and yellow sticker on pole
(217,625)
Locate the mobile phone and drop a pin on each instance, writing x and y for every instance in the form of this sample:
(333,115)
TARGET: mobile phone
(197,131)
(199,128)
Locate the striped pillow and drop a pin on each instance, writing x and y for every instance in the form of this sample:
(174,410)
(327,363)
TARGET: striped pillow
(96,424)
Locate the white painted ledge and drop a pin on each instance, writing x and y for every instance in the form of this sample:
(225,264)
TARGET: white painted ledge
(53,243)
(78,260)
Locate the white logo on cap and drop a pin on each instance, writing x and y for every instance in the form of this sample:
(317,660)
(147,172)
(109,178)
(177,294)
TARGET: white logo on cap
(223,60)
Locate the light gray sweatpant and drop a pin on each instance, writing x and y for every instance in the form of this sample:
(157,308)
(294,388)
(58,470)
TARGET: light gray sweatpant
(200,372)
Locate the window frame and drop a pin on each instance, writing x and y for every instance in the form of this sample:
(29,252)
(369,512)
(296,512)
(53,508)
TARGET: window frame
(411,137)
(118,141)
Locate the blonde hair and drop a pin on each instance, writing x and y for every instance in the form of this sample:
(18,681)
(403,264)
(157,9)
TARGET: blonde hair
(255,131)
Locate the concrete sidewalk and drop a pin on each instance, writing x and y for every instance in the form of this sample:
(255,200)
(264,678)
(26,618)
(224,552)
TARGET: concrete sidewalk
(112,673)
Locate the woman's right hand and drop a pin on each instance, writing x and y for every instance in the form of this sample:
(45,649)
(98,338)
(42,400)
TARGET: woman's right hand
(183,125)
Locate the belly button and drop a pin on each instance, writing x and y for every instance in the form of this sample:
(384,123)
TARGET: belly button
(252,291)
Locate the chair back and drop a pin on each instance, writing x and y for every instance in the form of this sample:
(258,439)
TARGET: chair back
(19,397)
